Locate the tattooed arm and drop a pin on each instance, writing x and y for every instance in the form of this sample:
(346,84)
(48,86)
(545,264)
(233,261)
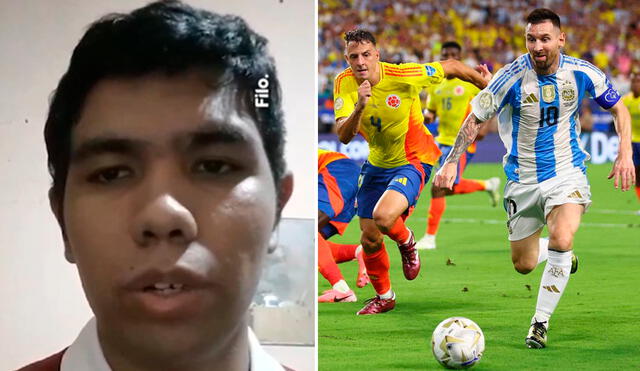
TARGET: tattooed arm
(468,132)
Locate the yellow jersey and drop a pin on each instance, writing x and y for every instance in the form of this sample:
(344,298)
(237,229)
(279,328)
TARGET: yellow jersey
(450,100)
(633,104)
(392,121)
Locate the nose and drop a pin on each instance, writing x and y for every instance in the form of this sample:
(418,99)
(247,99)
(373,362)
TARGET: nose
(164,219)
(360,60)
(537,46)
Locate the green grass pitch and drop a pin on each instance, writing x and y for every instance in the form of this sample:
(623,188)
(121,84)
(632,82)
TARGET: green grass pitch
(596,326)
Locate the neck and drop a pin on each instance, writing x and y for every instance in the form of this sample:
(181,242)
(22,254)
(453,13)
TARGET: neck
(229,352)
(636,94)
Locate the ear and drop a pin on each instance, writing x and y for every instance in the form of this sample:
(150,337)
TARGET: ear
(284,193)
(56,208)
(561,39)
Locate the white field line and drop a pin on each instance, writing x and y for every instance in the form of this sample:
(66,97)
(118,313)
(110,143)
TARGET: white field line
(592,210)
(504,221)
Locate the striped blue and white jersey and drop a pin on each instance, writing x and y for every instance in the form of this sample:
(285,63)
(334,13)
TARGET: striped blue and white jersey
(538,115)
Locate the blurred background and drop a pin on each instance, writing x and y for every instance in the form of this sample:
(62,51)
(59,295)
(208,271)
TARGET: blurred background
(604,32)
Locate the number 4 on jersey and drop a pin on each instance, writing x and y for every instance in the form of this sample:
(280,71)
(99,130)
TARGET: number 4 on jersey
(376,122)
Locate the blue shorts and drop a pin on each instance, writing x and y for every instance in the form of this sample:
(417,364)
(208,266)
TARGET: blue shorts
(636,153)
(462,164)
(374,181)
(337,188)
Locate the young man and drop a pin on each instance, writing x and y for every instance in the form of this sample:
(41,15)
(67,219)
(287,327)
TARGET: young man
(450,101)
(380,101)
(167,184)
(539,97)
(337,188)
(632,102)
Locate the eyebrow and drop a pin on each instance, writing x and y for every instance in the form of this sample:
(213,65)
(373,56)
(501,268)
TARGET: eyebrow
(209,135)
(107,145)
(213,135)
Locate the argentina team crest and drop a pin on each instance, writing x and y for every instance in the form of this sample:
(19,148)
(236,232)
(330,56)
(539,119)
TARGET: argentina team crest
(548,93)
(568,94)
(393,101)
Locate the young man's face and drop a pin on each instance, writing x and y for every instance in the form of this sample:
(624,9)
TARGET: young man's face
(544,41)
(450,53)
(363,57)
(168,209)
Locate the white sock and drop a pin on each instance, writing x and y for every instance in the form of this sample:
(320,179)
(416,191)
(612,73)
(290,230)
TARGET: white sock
(554,280)
(387,295)
(358,249)
(407,241)
(341,286)
(543,250)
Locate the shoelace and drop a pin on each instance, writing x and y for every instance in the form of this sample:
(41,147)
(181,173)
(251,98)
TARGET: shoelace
(408,255)
(539,329)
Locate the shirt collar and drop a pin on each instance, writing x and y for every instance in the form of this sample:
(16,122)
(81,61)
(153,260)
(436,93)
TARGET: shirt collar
(85,353)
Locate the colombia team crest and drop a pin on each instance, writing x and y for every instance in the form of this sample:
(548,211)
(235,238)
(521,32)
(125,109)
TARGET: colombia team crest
(393,101)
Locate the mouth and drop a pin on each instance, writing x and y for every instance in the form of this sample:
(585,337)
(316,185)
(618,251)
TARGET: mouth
(540,58)
(166,294)
(165,289)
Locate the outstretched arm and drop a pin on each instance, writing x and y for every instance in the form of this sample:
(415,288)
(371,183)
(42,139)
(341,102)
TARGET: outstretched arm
(623,170)
(467,134)
(455,68)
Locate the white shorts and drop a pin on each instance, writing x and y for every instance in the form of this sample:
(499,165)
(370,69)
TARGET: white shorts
(528,205)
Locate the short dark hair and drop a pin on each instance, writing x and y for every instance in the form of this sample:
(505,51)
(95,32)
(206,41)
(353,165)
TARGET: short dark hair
(543,14)
(451,44)
(168,37)
(359,36)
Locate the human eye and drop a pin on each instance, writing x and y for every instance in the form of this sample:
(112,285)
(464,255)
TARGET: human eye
(108,175)
(213,167)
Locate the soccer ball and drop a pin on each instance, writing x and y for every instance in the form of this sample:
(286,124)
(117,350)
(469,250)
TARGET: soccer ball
(457,342)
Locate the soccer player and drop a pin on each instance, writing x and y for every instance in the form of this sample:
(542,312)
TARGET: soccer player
(337,188)
(450,101)
(168,182)
(539,96)
(632,101)
(380,101)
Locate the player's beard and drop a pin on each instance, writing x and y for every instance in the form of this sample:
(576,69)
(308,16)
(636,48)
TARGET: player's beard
(546,64)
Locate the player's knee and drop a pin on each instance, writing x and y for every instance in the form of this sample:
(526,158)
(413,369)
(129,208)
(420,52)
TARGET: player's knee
(523,266)
(384,220)
(561,241)
(371,244)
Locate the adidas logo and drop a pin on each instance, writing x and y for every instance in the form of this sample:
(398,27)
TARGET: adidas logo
(575,194)
(402,181)
(551,288)
(531,99)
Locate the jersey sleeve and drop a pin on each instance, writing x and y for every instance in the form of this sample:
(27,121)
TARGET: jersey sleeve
(418,75)
(343,104)
(598,85)
(492,98)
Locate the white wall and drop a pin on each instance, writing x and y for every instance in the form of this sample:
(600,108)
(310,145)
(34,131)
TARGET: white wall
(42,306)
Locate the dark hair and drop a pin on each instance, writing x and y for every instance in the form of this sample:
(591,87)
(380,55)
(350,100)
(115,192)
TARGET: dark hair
(359,36)
(451,44)
(168,37)
(543,14)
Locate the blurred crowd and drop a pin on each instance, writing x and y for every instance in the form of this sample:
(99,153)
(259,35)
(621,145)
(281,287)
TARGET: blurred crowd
(605,32)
